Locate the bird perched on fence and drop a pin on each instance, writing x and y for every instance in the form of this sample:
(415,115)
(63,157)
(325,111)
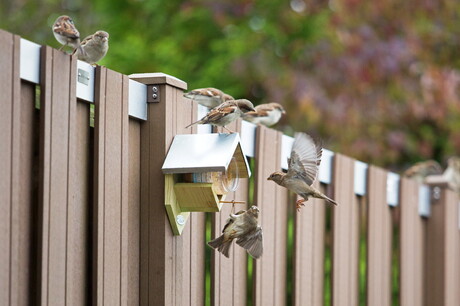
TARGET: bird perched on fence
(452,173)
(302,170)
(419,171)
(209,97)
(226,113)
(65,32)
(266,114)
(94,47)
(242,226)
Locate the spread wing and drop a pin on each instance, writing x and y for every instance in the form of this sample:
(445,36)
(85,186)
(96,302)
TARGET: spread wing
(305,158)
(253,243)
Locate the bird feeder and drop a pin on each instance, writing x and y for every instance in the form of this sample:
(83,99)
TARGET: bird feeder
(200,169)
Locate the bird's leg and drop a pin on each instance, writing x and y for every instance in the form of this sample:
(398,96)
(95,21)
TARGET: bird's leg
(223,127)
(299,203)
(233,207)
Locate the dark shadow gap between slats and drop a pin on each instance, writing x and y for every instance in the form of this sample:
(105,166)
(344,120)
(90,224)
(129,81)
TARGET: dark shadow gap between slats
(91,217)
(328,252)
(290,243)
(362,202)
(250,261)
(395,253)
(208,262)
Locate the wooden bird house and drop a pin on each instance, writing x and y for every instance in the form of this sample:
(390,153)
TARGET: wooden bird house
(199,170)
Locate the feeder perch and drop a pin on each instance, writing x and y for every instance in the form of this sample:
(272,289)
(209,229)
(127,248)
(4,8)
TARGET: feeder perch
(200,169)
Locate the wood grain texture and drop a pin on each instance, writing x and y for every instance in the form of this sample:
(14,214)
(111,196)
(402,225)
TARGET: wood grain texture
(309,240)
(134,211)
(54,168)
(270,270)
(345,228)
(228,275)
(378,240)
(442,252)
(111,193)
(411,246)
(170,274)
(10,189)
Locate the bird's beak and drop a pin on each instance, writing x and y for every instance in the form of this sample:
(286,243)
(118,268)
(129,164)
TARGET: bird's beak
(269,179)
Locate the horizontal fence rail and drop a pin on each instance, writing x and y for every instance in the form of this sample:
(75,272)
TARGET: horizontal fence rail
(83,220)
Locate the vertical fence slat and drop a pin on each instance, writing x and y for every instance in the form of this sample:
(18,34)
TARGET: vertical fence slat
(229,274)
(442,252)
(269,271)
(166,263)
(309,253)
(111,193)
(134,212)
(55,166)
(411,246)
(378,240)
(345,227)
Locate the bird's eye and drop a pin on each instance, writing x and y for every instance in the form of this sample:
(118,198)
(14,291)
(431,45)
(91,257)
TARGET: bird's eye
(71,21)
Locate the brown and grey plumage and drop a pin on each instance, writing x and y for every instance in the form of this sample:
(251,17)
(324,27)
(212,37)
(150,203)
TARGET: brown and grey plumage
(266,114)
(419,171)
(452,173)
(226,113)
(242,226)
(94,47)
(209,97)
(302,170)
(65,32)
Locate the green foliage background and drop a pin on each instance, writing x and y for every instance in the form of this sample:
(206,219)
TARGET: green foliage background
(377,80)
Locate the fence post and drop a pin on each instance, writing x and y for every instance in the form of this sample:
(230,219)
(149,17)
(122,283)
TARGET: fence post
(165,260)
(442,250)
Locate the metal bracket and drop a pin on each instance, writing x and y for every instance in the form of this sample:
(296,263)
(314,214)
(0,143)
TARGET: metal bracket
(153,94)
(83,76)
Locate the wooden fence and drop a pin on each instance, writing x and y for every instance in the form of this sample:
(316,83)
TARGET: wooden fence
(82,217)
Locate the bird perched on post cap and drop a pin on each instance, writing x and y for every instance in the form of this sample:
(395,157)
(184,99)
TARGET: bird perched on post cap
(226,113)
(65,32)
(266,114)
(452,173)
(209,97)
(419,171)
(242,226)
(302,170)
(94,47)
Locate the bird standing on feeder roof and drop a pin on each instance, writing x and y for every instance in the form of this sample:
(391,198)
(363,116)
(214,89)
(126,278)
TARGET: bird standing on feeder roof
(419,171)
(94,47)
(242,226)
(209,97)
(303,169)
(226,113)
(65,32)
(452,173)
(266,114)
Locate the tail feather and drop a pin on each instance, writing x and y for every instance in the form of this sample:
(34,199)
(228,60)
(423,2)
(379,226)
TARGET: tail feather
(320,195)
(221,245)
(196,122)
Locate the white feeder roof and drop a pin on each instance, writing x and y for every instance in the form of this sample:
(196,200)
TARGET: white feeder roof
(197,153)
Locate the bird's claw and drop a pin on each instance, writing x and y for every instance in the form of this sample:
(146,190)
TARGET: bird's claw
(299,204)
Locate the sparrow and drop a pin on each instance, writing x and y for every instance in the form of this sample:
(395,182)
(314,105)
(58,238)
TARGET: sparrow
(266,114)
(452,173)
(302,170)
(94,47)
(242,226)
(419,171)
(209,97)
(226,113)
(65,32)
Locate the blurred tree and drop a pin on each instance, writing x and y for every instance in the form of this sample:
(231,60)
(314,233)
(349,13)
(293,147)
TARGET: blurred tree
(377,80)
